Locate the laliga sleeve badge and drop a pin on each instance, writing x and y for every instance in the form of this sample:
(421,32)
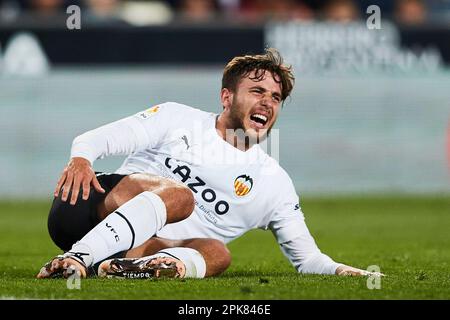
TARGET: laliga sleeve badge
(148,113)
(242,185)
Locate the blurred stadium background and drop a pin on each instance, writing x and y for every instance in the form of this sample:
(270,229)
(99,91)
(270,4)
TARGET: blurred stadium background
(370,111)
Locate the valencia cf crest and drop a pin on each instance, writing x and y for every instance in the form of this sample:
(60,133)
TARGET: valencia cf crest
(242,185)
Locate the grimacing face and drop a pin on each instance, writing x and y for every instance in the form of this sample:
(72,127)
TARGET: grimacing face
(254,106)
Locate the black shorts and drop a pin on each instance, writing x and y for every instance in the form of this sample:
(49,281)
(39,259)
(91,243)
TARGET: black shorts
(108,181)
(69,223)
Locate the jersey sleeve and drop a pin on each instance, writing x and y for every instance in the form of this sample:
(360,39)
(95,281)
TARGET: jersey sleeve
(289,227)
(143,130)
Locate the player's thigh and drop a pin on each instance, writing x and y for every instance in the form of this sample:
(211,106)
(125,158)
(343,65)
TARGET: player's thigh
(178,198)
(215,252)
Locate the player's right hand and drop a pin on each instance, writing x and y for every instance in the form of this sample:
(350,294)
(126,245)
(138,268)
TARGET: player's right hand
(344,270)
(62,268)
(78,173)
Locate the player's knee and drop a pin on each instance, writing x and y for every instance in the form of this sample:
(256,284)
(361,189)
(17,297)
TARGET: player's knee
(221,257)
(69,223)
(179,201)
(224,254)
(186,197)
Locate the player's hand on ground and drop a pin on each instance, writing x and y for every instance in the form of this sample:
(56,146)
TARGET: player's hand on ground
(78,173)
(355,272)
(62,267)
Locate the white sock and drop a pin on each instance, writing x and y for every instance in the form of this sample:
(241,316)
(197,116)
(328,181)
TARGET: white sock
(193,260)
(128,227)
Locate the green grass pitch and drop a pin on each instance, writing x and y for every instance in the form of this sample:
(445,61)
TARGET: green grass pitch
(408,237)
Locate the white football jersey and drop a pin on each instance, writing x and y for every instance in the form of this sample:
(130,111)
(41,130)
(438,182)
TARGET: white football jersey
(234,191)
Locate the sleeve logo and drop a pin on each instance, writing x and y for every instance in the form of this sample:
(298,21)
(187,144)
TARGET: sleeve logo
(148,113)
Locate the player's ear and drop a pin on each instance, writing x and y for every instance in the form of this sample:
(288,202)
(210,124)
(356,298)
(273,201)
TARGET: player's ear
(226,97)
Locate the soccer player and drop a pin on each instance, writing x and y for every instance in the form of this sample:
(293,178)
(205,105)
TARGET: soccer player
(193,181)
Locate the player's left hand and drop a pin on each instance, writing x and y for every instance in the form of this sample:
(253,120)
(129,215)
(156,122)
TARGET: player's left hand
(355,272)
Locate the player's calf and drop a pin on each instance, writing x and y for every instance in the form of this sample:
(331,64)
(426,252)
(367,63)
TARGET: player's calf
(216,254)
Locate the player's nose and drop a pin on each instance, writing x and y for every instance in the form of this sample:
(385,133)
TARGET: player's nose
(265,101)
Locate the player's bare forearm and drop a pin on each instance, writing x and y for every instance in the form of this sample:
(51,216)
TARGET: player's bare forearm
(78,173)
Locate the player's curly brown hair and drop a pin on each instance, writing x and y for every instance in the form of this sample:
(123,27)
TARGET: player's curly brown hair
(240,67)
